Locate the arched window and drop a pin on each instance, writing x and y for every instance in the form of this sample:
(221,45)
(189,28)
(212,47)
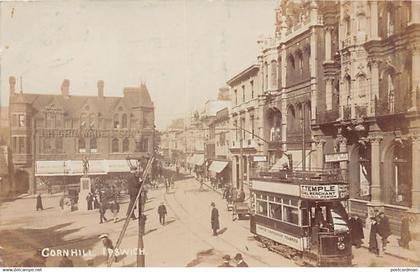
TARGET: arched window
(363,87)
(93,145)
(291,62)
(124,121)
(48,145)
(347,90)
(126,145)
(92,120)
(115,145)
(116,120)
(299,117)
(274,74)
(82,145)
(347,25)
(291,119)
(299,58)
(83,120)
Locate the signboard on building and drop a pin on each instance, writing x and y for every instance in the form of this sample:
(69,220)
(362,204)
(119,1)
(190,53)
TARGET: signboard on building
(364,181)
(337,157)
(259,158)
(324,192)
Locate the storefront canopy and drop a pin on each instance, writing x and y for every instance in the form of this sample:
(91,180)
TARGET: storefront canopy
(218,166)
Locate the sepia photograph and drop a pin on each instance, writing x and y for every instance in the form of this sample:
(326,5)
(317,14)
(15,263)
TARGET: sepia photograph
(210,133)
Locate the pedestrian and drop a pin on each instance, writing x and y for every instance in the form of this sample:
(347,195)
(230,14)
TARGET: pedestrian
(404,242)
(384,229)
(214,219)
(373,241)
(241,196)
(95,201)
(167,184)
(65,262)
(102,210)
(143,219)
(356,230)
(226,260)
(39,203)
(162,213)
(89,200)
(115,209)
(172,181)
(108,246)
(133,185)
(240,261)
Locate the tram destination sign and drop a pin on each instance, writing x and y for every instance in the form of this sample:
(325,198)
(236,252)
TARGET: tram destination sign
(324,192)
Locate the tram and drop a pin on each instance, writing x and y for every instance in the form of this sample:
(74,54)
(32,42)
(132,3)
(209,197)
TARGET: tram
(302,216)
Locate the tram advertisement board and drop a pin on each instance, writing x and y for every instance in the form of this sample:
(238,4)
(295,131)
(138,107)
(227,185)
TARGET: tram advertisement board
(324,192)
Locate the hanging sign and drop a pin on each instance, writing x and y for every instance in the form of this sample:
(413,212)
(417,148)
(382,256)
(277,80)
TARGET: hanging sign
(337,157)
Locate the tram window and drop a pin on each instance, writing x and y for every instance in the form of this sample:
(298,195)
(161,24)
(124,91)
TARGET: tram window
(305,217)
(262,208)
(275,211)
(291,215)
(271,198)
(294,202)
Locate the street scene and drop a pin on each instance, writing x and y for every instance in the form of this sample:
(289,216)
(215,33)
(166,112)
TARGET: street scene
(179,134)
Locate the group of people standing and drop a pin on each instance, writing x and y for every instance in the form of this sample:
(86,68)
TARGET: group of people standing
(238,259)
(380,230)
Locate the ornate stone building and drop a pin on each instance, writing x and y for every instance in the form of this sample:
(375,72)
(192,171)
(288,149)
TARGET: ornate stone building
(51,134)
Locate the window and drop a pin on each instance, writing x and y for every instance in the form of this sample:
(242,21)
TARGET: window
(48,148)
(50,120)
(82,145)
(292,62)
(273,73)
(83,120)
(275,211)
(126,145)
(14,144)
(347,25)
(115,146)
(389,23)
(266,75)
(124,121)
(116,121)
(252,89)
(291,215)
(21,145)
(252,126)
(347,90)
(262,207)
(59,144)
(22,120)
(243,93)
(391,94)
(92,120)
(236,97)
(93,145)
(145,145)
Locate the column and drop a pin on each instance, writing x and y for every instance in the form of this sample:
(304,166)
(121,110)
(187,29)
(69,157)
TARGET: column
(343,164)
(328,93)
(320,153)
(415,77)
(375,144)
(374,20)
(234,171)
(247,169)
(374,84)
(415,190)
(328,43)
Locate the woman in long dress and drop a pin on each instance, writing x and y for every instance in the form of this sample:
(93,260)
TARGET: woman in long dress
(373,242)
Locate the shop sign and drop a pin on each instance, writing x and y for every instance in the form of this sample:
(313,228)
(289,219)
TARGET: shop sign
(337,157)
(324,192)
(259,158)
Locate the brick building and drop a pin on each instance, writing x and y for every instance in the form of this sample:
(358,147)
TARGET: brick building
(51,134)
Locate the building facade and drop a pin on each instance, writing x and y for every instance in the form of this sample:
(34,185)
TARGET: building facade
(51,134)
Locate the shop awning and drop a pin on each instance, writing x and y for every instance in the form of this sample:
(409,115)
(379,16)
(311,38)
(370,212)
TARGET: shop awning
(200,160)
(218,166)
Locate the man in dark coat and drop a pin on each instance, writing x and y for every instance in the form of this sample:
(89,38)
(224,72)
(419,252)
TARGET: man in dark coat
(89,200)
(405,233)
(384,228)
(162,213)
(133,185)
(39,203)
(214,219)
(373,242)
(240,261)
(102,210)
(356,230)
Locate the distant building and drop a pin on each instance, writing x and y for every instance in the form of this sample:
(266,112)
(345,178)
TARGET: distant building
(51,134)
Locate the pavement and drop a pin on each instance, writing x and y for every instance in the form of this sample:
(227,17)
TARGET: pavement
(184,241)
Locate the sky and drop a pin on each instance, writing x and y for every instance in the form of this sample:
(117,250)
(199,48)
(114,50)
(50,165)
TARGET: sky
(183,50)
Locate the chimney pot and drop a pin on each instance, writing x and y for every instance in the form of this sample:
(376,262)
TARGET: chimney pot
(100,88)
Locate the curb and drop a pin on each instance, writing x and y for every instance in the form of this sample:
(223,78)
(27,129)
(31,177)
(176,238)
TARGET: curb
(416,262)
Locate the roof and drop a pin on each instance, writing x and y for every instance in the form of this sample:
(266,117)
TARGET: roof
(247,72)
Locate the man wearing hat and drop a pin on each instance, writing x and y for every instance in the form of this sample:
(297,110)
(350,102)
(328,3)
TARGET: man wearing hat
(162,213)
(226,260)
(133,189)
(214,219)
(108,246)
(240,261)
(384,229)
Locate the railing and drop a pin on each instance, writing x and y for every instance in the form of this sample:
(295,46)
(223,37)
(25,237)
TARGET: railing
(288,176)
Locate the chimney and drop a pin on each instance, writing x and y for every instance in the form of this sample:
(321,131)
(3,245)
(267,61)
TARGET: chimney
(100,88)
(65,86)
(12,84)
